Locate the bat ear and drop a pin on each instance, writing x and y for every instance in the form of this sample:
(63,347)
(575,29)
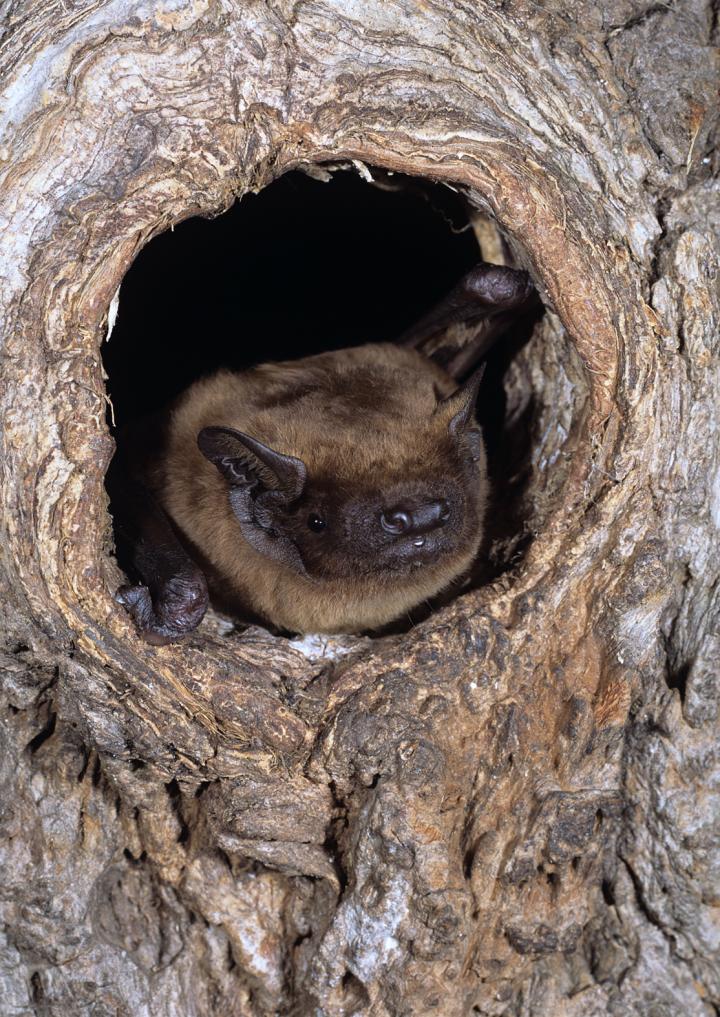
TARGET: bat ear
(245,461)
(458,409)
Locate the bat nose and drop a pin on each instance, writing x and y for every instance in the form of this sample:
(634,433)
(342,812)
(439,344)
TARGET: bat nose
(404,520)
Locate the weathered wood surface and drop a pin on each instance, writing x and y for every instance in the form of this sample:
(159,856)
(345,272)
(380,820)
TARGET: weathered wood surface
(512,809)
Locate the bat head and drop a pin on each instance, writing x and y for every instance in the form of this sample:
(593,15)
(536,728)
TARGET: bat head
(374,505)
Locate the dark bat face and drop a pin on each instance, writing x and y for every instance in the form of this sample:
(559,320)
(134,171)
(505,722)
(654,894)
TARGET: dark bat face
(394,528)
(414,504)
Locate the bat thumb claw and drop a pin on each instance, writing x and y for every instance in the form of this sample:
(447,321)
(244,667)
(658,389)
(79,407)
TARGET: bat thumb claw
(131,596)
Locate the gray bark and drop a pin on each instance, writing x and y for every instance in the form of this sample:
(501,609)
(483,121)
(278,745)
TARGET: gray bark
(511,809)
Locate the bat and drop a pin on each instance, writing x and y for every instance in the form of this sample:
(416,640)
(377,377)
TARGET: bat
(332,493)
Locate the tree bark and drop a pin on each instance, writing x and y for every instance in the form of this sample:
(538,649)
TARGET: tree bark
(511,809)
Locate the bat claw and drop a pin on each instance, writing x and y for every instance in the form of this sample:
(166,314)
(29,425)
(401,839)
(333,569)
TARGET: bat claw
(174,610)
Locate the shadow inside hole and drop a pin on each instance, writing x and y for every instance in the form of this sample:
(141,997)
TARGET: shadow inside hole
(302,267)
(509,449)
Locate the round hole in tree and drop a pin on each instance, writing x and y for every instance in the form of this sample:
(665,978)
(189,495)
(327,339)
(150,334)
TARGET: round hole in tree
(309,265)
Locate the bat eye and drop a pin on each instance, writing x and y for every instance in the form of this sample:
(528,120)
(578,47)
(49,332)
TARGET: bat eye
(316,523)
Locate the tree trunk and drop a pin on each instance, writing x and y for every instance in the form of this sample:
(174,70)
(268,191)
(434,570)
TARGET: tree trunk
(514,807)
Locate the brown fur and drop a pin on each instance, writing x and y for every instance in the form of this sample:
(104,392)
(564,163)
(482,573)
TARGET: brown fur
(362,420)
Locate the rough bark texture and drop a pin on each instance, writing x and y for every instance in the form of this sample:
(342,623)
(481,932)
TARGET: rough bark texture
(511,809)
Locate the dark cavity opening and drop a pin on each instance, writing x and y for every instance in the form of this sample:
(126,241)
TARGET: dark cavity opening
(302,267)
(309,265)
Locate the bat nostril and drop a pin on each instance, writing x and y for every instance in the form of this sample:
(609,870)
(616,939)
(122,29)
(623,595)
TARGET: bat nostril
(415,519)
(396,522)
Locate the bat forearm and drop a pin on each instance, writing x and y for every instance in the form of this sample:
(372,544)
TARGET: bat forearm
(486,302)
